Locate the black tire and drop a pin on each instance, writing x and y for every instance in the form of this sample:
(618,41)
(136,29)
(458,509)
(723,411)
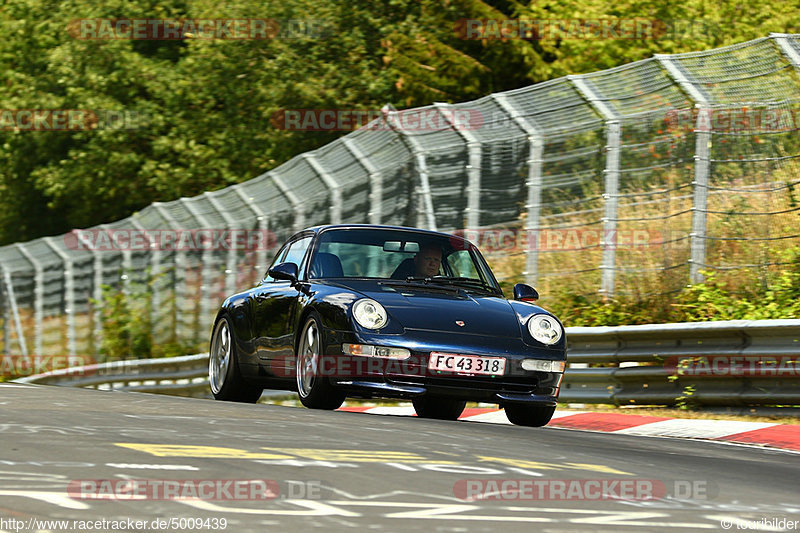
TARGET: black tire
(315,390)
(224,376)
(529,415)
(438,408)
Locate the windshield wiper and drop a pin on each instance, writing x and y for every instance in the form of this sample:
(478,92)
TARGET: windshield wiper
(465,281)
(414,282)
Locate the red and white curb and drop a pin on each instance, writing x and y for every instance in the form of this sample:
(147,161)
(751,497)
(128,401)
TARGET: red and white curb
(784,436)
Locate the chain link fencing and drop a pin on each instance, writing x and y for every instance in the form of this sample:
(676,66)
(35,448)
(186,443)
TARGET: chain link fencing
(627,182)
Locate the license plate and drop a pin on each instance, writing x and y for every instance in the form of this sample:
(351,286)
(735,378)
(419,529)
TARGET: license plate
(466,364)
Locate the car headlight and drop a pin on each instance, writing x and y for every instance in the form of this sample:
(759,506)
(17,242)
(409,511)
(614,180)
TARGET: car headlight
(545,329)
(370,314)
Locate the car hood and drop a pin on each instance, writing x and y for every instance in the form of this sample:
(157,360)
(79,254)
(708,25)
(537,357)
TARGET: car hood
(427,308)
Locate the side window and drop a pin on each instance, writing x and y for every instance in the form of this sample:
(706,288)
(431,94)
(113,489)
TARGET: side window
(278,259)
(297,251)
(462,265)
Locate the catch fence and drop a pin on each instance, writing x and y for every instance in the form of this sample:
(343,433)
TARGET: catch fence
(625,182)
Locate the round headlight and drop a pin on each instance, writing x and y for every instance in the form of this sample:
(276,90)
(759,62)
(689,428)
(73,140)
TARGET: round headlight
(370,314)
(545,329)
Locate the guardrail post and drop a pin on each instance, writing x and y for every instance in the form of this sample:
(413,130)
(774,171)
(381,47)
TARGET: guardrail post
(375,181)
(533,206)
(611,194)
(69,293)
(38,298)
(697,238)
(331,183)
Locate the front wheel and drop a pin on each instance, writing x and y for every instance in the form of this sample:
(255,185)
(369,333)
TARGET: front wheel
(529,415)
(315,391)
(224,377)
(438,408)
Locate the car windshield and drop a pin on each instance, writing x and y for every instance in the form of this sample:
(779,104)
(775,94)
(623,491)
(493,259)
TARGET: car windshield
(401,255)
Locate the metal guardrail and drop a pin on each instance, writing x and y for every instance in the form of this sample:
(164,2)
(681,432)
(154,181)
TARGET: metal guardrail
(704,364)
(178,376)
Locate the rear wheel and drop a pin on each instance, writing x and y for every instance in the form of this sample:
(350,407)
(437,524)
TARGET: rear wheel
(315,391)
(529,415)
(224,377)
(439,408)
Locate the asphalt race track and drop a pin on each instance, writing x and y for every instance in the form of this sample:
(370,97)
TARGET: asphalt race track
(122,461)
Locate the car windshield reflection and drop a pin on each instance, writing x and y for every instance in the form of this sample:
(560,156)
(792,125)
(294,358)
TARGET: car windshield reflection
(405,256)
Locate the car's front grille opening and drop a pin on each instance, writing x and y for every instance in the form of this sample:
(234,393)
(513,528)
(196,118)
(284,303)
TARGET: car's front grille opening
(478,384)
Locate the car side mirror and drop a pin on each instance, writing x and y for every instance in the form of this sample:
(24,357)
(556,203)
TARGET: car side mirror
(525,293)
(285,271)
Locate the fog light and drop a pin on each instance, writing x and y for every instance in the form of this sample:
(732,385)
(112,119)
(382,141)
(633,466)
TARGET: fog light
(541,365)
(367,350)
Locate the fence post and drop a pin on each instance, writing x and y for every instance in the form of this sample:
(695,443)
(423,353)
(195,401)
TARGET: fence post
(230,258)
(297,205)
(611,194)
(262,261)
(4,308)
(533,206)
(782,39)
(97,292)
(38,298)
(331,183)
(179,276)
(206,272)
(426,216)
(697,237)
(12,300)
(473,167)
(375,181)
(15,311)
(69,293)
(151,279)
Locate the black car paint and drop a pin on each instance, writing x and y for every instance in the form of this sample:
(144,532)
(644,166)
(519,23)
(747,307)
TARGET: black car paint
(266,318)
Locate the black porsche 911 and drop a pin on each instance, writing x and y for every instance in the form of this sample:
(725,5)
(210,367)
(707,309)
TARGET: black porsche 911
(379,311)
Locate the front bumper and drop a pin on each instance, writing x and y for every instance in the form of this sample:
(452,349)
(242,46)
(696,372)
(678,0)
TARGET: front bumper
(372,377)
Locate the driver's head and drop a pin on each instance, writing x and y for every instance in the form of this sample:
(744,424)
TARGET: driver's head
(428,260)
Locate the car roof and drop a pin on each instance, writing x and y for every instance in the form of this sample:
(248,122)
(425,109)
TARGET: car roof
(318,229)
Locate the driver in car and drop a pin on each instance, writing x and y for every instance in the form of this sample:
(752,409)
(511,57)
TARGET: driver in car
(427,261)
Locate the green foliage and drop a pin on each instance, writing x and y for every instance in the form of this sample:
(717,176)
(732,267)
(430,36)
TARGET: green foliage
(205,105)
(128,327)
(710,300)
